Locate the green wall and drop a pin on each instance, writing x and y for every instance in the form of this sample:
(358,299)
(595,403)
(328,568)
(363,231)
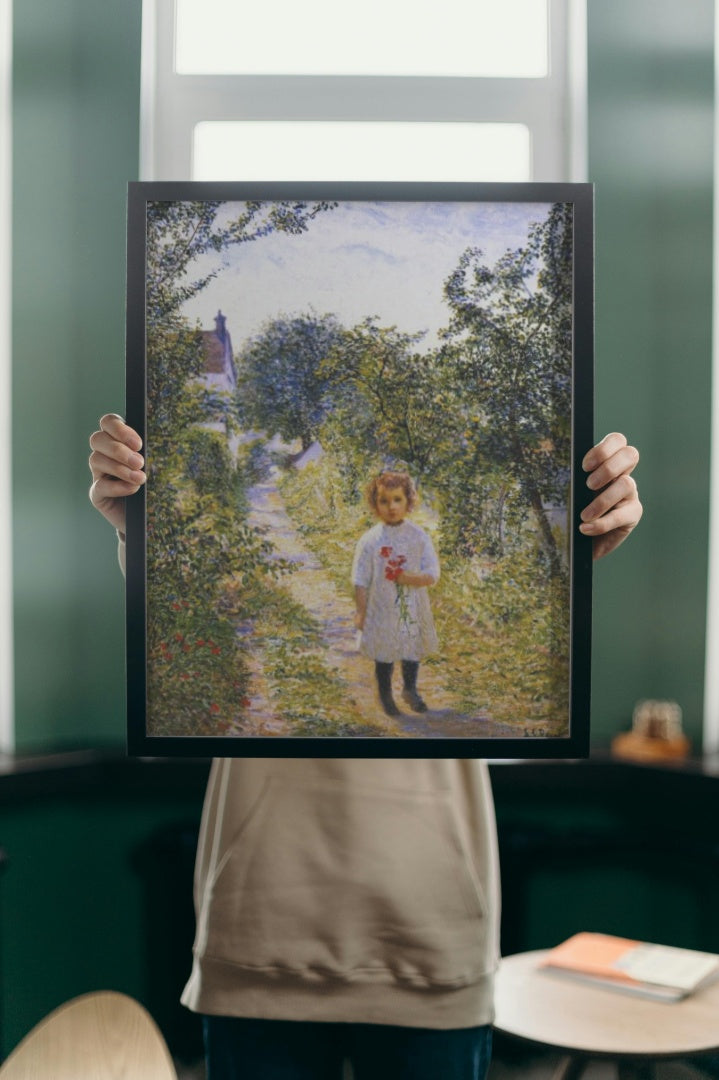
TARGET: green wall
(76,97)
(87,869)
(650,156)
(61,936)
(76,90)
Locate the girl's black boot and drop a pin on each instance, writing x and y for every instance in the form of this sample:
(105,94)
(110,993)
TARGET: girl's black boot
(383,674)
(410,694)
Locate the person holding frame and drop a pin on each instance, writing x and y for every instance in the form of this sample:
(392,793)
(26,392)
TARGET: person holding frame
(348,909)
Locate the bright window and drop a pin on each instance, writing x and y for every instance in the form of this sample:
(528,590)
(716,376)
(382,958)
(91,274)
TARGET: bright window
(390,90)
(311,150)
(483,38)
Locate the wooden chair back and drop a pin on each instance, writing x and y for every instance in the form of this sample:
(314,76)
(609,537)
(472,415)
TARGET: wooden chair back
(99,1036)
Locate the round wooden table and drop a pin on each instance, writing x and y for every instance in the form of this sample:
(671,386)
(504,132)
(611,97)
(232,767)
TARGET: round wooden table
(586,1022)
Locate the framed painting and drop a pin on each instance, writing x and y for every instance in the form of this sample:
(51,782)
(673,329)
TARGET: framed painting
(364,409)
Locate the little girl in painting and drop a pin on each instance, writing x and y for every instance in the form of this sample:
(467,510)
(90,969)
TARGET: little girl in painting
(393,567)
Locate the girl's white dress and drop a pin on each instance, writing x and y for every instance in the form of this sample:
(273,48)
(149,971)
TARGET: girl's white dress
(398,624)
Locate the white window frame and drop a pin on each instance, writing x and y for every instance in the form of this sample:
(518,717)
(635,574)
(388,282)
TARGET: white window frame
(7,718)
(710,727)
(553,108)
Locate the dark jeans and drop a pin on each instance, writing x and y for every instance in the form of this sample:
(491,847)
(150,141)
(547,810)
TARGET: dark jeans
(240,1049)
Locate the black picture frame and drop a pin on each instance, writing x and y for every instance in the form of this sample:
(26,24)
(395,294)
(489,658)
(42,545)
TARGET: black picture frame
(513,635)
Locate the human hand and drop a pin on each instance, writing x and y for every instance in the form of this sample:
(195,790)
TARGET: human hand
(359,620)
(116,467)
(616,510)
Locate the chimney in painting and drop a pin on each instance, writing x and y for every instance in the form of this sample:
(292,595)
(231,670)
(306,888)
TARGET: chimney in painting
(220,321)
(219,364)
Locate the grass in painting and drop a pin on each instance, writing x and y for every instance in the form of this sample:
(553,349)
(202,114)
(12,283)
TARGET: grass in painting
(308,695)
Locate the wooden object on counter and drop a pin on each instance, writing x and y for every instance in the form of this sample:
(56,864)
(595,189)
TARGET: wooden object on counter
(656,734)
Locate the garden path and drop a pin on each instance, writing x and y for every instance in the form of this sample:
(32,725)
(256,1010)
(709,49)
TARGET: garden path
(312,586)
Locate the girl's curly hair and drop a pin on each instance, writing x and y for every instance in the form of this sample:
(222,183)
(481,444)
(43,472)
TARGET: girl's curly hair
(391,479)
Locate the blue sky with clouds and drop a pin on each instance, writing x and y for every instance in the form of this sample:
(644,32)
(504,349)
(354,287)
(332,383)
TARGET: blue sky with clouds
(384,259)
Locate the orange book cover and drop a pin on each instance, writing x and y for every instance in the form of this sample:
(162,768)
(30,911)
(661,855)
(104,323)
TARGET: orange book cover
(661,971)
(592,954)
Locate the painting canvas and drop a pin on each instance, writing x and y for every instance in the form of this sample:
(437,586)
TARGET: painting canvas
(363,409)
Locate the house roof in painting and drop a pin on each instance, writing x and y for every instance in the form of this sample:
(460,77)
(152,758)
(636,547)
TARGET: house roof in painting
(217,347)
(214,350)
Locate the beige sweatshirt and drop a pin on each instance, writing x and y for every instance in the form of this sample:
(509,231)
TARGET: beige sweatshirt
(362,890)
(347,890)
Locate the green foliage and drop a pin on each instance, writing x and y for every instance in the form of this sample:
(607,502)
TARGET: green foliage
(399,396)
(483,422)
(482,511)
(280,386)
(208,462)
(329,522)
(308,695)
(205,565)
(510,340)
(198,546)
(179,232)
(504,631)
(197,678)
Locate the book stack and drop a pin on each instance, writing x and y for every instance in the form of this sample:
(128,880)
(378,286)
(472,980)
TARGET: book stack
(660,972)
